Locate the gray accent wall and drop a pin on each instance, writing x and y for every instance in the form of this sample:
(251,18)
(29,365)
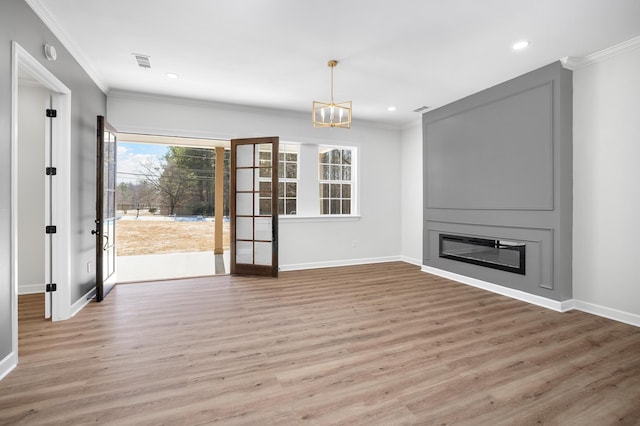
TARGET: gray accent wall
(498,164)
(19,23)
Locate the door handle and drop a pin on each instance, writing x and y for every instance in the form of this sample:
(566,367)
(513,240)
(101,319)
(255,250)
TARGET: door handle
(95,232)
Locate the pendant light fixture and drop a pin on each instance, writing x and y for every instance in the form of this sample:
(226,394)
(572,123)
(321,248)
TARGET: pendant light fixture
(332,114)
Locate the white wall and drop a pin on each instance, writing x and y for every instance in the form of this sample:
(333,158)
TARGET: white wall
(31,178)
(411,193)
(304,242)
(606,173)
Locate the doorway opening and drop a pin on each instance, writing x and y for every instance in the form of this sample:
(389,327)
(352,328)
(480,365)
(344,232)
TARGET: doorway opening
(172,207)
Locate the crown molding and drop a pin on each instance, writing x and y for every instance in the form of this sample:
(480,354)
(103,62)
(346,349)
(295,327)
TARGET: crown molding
(574,63)
(45,15)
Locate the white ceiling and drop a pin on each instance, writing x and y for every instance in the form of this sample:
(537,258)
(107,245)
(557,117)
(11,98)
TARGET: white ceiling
(274,53)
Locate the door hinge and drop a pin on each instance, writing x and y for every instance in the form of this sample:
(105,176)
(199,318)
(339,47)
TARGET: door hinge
(51,171)
(50,287)
(52,113)
(50,229)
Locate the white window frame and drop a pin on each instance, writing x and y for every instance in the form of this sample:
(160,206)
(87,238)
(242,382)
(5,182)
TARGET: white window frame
(352,182)
(284,149)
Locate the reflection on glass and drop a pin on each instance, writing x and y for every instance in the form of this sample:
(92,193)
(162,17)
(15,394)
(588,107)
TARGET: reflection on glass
(244,204)
(244,252)
(263,254)
(291,206)
(263,228)
(244,228)
(244,155)
(244,181)
(265,206)
(265,172)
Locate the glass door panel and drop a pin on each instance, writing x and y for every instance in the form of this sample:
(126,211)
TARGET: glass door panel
(254,220)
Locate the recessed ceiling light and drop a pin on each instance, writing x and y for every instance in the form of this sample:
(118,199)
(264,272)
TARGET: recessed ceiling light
(521,45)
(391,108)
(172,75)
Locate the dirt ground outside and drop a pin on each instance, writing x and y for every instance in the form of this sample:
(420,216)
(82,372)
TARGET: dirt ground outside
(139,237)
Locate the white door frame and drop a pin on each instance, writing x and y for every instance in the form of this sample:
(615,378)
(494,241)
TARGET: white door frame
(23,62)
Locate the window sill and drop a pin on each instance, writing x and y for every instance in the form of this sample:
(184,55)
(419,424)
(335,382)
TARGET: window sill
(319,219)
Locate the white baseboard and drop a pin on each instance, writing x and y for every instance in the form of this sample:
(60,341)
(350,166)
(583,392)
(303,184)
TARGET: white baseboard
(411,260)
(82,302)
(564,306)
(335,263)
(603,311)
(505,291)
(8,364)
(30,288)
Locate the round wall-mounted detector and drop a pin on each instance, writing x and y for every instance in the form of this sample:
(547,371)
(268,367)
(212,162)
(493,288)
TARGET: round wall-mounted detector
(50,52)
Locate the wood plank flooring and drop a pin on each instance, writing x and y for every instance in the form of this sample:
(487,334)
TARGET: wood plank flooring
(375,344)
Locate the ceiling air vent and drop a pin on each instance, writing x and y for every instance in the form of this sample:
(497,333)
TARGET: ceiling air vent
(421,109)
(143,60)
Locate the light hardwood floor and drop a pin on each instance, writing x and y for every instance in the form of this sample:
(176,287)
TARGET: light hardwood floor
(375,344)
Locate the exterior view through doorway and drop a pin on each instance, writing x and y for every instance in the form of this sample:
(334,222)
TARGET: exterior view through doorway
(172,207)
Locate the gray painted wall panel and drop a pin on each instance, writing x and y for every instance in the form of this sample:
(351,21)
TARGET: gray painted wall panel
(493,156)
(19,23)
(526,123)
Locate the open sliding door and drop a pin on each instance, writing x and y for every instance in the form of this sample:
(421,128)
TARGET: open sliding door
(105,231)
(254,206)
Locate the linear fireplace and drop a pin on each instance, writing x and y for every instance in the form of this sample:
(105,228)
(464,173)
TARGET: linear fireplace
(491,253)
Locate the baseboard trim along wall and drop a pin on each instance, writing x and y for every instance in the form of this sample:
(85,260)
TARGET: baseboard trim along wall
(82,302)
(411,260)
(564,306)
(31,288)
(603,311)
(336,263)
(8,364)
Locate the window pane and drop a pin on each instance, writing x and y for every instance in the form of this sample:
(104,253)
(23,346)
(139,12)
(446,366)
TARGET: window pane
(281,156)
(346,190)
(244,228)
(325,206)
(346,156)
(292,156)
(280,170)
(265,206)
(291,206)
(280,206)
(263,253)
(244,155)
(324,172)
(324,157)
(244,252)
(346,173)
(265,187)
(324,190)
(346,206)
(335,190)
(336,158)
(244,179)
(244,204)
(280,189)
(335,206)
(265,172)
(263,229)
(292,171)
(335,173)
(291,189)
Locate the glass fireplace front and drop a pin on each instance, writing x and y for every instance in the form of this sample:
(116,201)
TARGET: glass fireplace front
(489,252)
